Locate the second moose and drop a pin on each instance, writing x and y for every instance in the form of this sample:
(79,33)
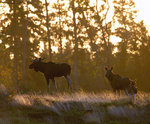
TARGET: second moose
(121,83)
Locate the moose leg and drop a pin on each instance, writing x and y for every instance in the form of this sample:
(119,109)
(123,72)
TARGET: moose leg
(114,90)
(126,92)
(133,96)
(69,81)
(47,80)
(54,84)
(119,93)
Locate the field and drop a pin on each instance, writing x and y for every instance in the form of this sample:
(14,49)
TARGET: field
(74,108)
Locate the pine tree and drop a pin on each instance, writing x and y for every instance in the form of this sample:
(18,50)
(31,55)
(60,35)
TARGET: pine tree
(124,15)
(15,33)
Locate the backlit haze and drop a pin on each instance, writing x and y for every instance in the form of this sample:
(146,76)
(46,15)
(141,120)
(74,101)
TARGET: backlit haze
(141,5)
(143,11)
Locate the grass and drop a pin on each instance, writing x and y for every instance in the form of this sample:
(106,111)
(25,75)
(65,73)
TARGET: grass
(74,108)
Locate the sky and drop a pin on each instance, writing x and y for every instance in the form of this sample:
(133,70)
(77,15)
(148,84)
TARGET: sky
(143,6)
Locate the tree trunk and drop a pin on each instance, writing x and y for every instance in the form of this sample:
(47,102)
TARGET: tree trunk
(106,40)
(75,48)
(60,30)
(104,32)
(24,50)
(15,50)
(48,32)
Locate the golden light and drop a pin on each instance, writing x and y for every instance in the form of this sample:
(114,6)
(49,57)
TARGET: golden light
(141,5)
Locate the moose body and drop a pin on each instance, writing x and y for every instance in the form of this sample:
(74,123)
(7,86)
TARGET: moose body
(52,70)
(120,83)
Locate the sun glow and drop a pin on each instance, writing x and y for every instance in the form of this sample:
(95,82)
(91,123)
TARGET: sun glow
(143,10)
(141,5)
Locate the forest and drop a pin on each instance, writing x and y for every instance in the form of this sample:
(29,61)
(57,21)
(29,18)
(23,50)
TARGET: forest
(88,35)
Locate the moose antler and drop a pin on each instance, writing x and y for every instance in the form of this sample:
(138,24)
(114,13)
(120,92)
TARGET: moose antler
(35,59)
(40,59)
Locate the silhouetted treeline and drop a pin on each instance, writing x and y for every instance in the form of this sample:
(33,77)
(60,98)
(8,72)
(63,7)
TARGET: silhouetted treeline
(81,33)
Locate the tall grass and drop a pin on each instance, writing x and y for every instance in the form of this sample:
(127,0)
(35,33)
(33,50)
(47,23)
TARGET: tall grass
(75,108)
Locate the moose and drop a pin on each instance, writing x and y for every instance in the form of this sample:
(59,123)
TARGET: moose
(52,70)
(121,83)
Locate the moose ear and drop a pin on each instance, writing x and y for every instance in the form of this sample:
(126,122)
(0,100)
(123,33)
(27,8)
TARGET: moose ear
(106,68)
(40,59)
(111,68)
(134,82)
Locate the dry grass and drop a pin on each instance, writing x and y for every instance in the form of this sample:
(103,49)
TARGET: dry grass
(75,108)
(104,97)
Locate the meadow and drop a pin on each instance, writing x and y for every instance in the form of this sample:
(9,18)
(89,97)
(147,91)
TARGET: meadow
(74,108)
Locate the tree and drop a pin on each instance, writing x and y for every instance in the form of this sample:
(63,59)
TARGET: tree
(58,31)
(15,46)
(124,15)
(76,44)
(14,26)
(24,48)
(48,31)
(140,47)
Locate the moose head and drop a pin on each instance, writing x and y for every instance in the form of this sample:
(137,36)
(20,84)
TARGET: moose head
(108,72)
(35,64)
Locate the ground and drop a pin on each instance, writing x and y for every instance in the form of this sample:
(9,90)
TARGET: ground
(74,108)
